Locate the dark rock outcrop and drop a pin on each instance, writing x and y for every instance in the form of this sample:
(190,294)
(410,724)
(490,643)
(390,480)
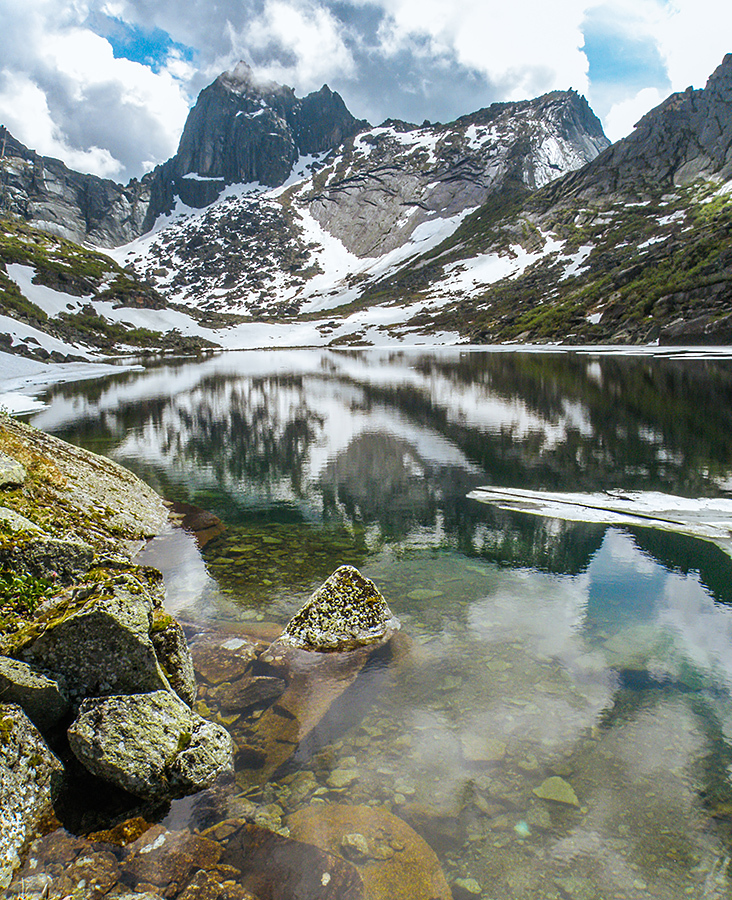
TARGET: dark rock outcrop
(687,136)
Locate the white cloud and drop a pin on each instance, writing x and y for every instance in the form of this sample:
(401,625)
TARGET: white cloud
(25,112)
(63,93)
(622,116)
(310,35)
(524,48)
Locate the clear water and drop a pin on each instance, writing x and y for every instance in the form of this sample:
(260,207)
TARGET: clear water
(601,656)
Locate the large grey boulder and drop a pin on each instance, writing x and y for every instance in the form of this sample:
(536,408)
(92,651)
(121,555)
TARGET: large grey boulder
(42,698)
(29,774)
(100,645)
(347,611)
(151,745)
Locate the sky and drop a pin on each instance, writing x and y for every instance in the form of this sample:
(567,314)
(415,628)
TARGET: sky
(105,85)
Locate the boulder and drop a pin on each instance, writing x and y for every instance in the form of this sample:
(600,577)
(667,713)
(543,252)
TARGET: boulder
(247,691)
(98,641)
(161,857)
(42,698)
(174,656)
(151,745)
(48,557)
(347,611)
(29,777)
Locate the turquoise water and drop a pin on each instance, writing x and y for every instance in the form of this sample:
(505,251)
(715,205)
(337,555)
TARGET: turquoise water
(558,723)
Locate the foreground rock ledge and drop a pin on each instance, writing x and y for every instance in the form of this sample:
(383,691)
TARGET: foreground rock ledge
(346,612)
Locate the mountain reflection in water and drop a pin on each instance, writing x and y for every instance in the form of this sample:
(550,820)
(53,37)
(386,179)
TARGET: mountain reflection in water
(543,649)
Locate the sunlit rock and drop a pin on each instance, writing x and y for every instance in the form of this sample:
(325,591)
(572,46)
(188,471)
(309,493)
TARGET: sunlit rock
(42,698)
(29,773)
(392,859)
(12,473)
(345,612)
(151,745)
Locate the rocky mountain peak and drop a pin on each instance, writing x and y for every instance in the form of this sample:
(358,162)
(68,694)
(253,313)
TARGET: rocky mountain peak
(242,129)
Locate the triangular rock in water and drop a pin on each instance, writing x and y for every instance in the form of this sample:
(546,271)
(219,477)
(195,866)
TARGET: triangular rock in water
(347,611)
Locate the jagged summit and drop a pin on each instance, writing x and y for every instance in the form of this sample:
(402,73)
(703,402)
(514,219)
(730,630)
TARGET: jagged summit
(243,130)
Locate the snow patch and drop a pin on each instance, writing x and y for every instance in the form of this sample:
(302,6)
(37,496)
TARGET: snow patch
(51,301)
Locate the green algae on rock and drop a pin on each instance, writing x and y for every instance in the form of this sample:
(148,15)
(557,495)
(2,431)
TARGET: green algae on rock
(347,611)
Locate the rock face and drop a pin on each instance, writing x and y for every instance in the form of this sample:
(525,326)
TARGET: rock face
(43,699)
(686,136)
(345,612)
(238,131)
(151,745)
(67,203)
(101,646)
(27,786)
(241,130)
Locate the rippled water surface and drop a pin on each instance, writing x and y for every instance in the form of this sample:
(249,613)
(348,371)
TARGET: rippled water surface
(557,722)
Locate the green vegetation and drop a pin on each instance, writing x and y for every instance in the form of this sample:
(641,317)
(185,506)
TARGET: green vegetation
(20,594)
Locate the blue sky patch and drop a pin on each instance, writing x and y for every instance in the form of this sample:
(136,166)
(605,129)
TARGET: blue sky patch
(617,57)
(149,46)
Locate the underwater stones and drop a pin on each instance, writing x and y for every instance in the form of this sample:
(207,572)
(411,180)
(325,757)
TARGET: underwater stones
(100,646)
(42,698)
(171,649)
(314,682)
(12,473)
(161,857)
(480,749)
(151,745)
(217,660)
(392,859)
(28,775)
(558,790)
(274,867)
(347,611)
(248,691)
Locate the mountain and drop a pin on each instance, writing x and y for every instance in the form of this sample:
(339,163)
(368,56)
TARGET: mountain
(287,221)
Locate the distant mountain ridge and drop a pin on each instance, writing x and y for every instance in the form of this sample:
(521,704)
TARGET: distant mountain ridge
(286,220)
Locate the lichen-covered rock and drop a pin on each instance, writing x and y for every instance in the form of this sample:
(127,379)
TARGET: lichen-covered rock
(15,523)
(42,698)
(346,611)
(99,642)
(29,776)
(12,473)
(48,557)
(174,656)
(151,745)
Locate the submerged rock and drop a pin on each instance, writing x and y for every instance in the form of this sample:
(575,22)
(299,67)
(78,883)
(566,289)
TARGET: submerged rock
(29,773)
(42,698)
(274,867)
(151,745)
(347,611)
(394,862)
(558,790)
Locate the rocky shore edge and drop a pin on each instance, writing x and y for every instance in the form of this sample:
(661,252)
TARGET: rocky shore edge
(93,671)
(97,680)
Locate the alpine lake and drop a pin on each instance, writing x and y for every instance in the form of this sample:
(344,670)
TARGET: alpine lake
(557,722)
